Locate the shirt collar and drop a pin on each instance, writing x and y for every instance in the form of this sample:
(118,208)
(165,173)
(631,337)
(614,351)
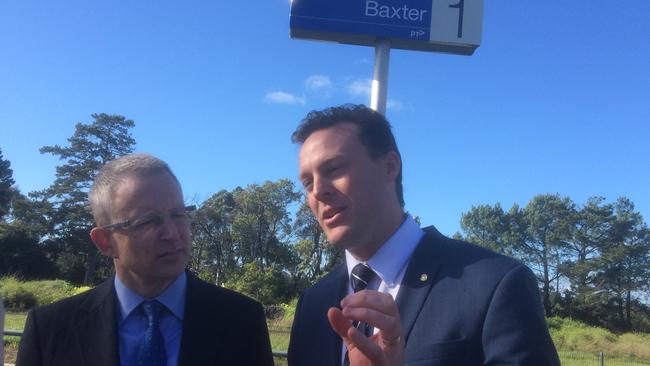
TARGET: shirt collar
(173,297)
(393,255)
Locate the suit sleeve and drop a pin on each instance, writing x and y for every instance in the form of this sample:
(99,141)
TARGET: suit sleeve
(515,330)
(294,345)
(29,350)
(260,345)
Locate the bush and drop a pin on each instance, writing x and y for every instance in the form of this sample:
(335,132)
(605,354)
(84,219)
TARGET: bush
(21,254)
(574,336)
(269,286)
(273,311)
(570,335)
(19,295)
(15,295)
(290,308)
(633,345)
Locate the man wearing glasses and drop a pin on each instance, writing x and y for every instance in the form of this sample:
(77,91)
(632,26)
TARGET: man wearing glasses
(151,312)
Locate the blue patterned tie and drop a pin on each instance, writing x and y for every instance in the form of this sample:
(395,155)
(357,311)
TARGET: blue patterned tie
(152,346)
(362,275)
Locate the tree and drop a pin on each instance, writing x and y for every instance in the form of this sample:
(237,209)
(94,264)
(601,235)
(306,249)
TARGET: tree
(269,285)
(6,183)
(213,252)
(262,224)
(624,266)
(535,234)
(591,232)
(20,230)
(20,253)
(487,226)
(542,229)
(91,146)
(317,255)
(251,225)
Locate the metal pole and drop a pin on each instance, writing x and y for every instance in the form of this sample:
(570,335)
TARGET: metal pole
(379,90)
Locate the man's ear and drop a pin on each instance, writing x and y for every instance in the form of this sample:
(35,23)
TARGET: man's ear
(393,164)
(101,238)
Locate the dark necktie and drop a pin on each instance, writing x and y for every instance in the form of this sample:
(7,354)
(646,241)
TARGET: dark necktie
(360,278)
(152,346)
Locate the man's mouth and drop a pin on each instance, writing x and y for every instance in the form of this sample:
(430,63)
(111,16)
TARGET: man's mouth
(171,253)
(331,215)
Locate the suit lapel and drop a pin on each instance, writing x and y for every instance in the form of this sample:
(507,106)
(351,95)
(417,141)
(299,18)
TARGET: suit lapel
(191,348)
(96,327)
(419,278)
(201,327)
(336,293)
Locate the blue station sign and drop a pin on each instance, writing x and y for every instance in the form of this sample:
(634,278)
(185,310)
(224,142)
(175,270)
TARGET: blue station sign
(452,26)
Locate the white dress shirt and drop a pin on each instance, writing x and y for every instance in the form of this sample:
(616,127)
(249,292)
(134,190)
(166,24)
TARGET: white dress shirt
(390,261)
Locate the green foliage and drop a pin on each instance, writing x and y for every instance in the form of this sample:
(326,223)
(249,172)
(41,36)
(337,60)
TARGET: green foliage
(6,181)
(20,295)
(269,285)
(601,250)
(573,336)
(487,226)
(15,295)
(90,147)
(252,225)
(79,290)
(316,256)
(280,327)
(570,335)
(21,255)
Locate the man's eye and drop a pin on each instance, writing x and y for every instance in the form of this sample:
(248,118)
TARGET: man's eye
(152,220)
(178,214)
(306,184)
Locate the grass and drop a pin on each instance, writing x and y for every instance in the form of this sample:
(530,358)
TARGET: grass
(13,321)
(572,337)
(279,332)
(591,359)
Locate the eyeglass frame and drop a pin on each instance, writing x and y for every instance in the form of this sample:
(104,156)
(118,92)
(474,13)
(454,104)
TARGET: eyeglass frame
(129,223)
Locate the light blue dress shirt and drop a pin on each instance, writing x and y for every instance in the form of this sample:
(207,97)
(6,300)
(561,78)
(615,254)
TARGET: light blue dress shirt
(132,323)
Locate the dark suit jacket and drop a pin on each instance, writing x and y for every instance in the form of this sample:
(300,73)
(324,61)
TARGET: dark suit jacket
(220,327)
(459,305)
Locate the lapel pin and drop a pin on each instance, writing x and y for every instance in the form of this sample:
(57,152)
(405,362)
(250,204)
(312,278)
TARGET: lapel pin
(424,277)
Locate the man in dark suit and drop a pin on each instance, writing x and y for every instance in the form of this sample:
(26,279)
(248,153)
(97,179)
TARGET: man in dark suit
(404,295)
(152,312)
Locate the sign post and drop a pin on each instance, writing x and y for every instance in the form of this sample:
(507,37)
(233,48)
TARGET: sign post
(450,26)
(379,91)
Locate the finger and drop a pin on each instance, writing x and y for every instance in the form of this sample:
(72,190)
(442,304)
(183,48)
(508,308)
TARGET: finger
(379,301)
(366,346)
(373,317)
(339,322)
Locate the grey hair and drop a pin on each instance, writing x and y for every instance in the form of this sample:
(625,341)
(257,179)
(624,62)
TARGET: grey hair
(112,173)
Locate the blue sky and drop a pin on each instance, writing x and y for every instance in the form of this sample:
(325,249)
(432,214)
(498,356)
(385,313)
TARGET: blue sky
(555,100)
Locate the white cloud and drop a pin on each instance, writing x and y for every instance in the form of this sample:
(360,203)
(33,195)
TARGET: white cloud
(316,82)
(360,88)
(394,105)
(281,97)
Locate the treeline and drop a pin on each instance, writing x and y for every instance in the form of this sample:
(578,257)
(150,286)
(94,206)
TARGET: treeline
(592,261)
(260,239)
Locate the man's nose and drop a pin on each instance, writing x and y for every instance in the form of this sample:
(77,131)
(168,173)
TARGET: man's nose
(170,229)
(322,189)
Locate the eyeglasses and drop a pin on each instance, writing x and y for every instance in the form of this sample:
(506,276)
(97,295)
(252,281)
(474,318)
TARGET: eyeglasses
(154,219)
